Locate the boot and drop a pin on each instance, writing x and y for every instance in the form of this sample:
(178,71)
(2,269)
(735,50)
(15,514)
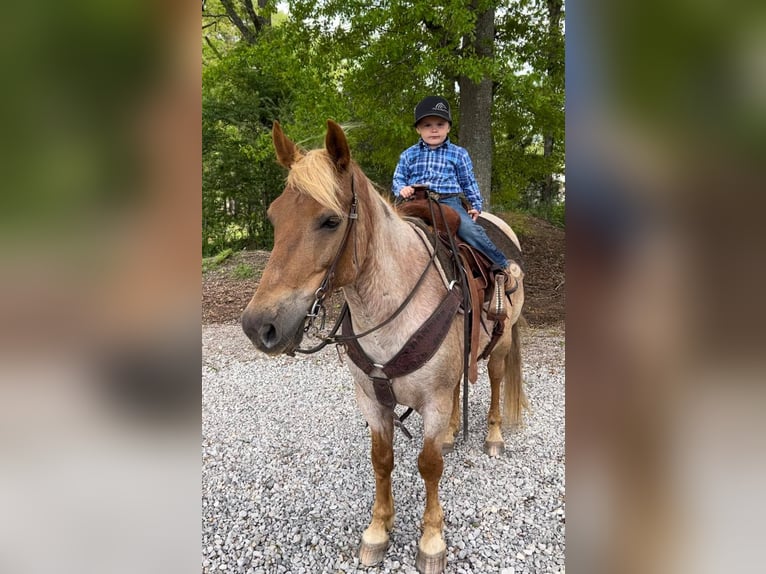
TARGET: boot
(506,283)
(496,308)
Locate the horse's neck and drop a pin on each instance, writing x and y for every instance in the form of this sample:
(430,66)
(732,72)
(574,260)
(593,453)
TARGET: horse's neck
(395,259)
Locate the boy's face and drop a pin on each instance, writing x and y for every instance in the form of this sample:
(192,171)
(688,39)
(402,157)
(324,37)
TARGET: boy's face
(433,130)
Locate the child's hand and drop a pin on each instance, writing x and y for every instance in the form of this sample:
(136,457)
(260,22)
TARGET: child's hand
(407,191)
(474,214)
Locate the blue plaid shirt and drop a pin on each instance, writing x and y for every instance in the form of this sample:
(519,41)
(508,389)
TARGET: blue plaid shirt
(447,169)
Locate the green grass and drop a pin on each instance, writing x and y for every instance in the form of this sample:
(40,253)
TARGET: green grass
(517,221)
(243,271)
(209,263)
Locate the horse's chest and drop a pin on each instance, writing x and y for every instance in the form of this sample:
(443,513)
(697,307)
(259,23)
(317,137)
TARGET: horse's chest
(374,372)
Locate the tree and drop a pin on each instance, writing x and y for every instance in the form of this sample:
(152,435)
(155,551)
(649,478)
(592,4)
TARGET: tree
(555,71)
(499,62)
(529,106)
(240,98)
(477,53)
(246,86)
(476,96)
(242,15)
(240,179)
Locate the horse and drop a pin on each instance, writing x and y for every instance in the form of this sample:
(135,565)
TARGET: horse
(333,230)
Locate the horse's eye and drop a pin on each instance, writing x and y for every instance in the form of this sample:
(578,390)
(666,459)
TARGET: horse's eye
(330,222)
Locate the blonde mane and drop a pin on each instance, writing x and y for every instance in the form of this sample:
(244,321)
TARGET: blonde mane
(315,176)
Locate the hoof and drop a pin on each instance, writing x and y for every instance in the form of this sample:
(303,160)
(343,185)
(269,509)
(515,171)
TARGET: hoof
(494,448)
(431,563)
(371,554)
(448,447)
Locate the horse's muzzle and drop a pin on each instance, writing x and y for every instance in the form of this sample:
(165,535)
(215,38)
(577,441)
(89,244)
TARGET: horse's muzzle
(273,333)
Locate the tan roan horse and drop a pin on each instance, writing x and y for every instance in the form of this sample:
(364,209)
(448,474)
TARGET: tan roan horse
(377,264)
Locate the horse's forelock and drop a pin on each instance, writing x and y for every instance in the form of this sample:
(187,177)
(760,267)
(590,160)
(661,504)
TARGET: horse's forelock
(315,176)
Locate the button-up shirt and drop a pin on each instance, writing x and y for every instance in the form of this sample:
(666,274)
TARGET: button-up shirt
(446,169)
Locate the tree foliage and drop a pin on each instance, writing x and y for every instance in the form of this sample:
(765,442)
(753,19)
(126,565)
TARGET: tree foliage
(240,99)
(366,64)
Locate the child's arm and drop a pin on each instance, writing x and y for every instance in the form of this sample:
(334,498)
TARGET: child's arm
(399,186)
(467,181)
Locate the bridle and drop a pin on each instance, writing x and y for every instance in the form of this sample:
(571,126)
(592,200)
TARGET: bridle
(317,309)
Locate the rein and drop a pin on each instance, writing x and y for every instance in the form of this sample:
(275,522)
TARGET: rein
(318,309)
(405,361)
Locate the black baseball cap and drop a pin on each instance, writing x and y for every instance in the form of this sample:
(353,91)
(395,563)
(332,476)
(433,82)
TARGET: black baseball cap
(433,106)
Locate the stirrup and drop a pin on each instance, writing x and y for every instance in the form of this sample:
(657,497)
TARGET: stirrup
(496,308)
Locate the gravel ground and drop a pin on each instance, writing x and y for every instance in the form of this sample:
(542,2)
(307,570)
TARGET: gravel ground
(287,484)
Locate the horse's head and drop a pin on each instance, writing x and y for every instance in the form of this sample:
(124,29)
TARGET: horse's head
(310,218)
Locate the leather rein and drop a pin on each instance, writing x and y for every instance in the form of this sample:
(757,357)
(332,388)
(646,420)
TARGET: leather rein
(418,349)
(318,310)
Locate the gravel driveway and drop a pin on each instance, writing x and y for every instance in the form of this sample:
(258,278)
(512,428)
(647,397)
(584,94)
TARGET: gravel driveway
(287,484)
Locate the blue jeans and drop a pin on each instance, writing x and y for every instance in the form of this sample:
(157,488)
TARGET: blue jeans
(473,233)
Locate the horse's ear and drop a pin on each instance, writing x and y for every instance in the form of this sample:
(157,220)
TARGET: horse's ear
(287,151)
(337,146)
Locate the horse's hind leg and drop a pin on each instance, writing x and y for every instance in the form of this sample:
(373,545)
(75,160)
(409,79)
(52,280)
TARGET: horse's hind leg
(514,397)
(494,444)
(375,538)
(504,368)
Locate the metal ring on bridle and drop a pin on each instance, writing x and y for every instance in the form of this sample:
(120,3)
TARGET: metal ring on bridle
(319,296)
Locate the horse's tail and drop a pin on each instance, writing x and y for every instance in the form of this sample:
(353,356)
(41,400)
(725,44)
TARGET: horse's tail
(514,397)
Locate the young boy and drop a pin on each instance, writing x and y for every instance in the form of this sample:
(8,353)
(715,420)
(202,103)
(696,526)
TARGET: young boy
(447,169)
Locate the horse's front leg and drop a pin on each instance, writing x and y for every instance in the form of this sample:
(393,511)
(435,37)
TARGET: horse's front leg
(375,538)
(448,439)
(432,550)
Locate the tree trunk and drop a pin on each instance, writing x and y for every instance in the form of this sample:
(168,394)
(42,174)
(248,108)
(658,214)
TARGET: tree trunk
(254,24)
(550,187)
(476,108)
(247,34)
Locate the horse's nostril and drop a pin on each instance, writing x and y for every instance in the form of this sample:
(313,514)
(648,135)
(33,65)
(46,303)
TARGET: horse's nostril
(268,335)
(264,335)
